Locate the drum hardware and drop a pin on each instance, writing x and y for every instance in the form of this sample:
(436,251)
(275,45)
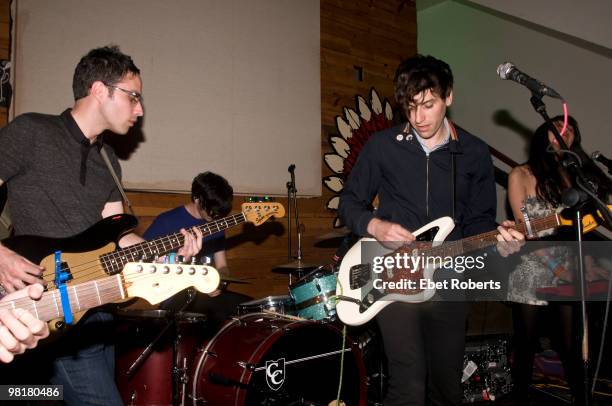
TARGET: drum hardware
(160,373)
(171,323)
(297,361)
(296,267)
(284,316)
(276,304)
(245,365)
(184,380)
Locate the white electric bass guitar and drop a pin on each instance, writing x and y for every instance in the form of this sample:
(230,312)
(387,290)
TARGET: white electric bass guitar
(363,289)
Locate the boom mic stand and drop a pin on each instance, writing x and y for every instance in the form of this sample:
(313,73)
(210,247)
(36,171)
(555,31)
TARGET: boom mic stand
(585,193)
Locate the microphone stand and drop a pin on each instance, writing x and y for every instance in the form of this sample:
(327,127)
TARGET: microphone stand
(292,201)
(580,197)
(290,191)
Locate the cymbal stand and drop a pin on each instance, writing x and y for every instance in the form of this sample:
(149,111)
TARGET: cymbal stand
(179,373)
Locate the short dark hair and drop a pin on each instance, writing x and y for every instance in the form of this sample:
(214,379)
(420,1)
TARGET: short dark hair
(420,73)
(106,64)
(213,193)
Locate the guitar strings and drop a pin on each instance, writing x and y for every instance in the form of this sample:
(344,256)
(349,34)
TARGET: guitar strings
(89,291)
(482,240)
(92,267)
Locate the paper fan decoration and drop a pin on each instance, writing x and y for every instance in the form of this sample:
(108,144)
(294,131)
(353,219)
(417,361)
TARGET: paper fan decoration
(354,130)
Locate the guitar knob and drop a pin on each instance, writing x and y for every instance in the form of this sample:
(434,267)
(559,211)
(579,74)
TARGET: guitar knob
(152,268)
(179,270)
(192,270)
(166,269)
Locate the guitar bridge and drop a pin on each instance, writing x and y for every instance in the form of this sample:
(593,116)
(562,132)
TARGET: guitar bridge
(359,275)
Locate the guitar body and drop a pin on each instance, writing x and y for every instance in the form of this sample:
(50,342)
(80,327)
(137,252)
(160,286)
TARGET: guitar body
(350,312)
(80,253)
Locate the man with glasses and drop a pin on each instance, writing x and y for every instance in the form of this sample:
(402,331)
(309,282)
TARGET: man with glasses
(59,186)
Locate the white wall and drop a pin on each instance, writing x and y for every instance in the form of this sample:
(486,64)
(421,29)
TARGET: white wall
(231,86)
(585,19)
(474,42)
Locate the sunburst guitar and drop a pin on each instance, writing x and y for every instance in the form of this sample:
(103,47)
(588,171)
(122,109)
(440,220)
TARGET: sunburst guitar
(93,254)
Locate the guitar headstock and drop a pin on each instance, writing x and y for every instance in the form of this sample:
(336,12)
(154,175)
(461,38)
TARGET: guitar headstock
(258,213)
(157,282)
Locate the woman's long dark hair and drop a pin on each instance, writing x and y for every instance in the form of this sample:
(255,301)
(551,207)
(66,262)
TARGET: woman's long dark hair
(545,167)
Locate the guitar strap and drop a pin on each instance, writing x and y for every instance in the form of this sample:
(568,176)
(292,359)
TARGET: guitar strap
(116,179)
(454,150)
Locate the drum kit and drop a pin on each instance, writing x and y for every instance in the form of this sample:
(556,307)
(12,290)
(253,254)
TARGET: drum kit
(278,350)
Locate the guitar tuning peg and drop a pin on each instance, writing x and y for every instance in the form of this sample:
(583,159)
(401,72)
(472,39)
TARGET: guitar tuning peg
(193,261)
(206,260)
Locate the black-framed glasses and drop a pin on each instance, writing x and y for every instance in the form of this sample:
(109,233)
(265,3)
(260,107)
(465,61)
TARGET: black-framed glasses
(135,97)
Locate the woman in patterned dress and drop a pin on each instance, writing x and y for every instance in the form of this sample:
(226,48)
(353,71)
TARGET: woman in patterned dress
(536,188)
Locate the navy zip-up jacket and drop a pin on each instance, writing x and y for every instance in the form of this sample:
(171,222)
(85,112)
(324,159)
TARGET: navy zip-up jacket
(415,188)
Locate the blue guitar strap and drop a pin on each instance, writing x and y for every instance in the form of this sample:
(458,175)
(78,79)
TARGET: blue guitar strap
(60,282)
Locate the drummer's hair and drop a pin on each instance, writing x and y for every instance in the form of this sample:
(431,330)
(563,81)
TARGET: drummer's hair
(213,193)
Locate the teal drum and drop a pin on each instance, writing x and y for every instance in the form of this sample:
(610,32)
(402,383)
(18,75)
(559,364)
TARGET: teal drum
(314,296)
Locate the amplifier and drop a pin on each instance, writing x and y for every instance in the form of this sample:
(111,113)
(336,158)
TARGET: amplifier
(486,368)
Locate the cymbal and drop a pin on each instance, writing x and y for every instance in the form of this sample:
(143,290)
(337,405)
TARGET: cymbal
(297,266)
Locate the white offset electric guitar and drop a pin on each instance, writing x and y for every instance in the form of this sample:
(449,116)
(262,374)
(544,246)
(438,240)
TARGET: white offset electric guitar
(363,289)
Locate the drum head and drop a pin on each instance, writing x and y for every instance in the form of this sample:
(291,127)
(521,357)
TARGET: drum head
(259,360)
(278,304)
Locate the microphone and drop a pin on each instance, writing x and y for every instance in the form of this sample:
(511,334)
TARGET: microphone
(508,71)
(598,156)
(291,184)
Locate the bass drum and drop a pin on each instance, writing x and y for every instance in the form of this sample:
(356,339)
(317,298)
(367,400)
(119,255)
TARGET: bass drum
(262,359)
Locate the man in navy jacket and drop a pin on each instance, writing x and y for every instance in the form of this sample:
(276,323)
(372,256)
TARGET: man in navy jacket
(422,170)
